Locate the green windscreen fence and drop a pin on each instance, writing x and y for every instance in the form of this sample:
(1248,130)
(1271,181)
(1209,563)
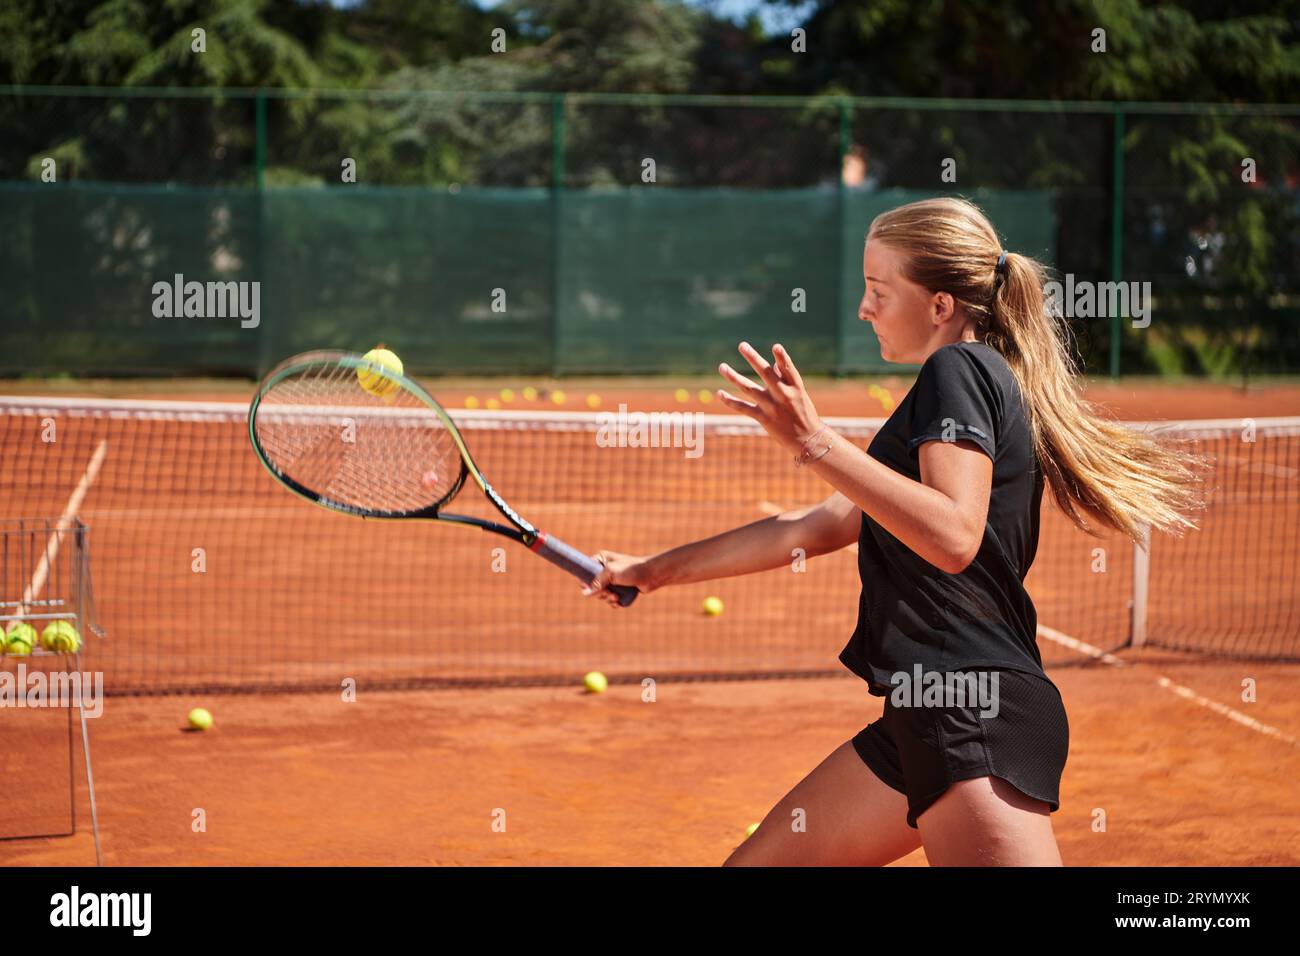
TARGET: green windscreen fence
(676,278)
(78,264)
(480,280)
(454,283)
(584,233)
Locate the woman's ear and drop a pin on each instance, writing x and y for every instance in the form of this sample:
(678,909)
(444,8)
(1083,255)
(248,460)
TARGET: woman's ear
(942,308)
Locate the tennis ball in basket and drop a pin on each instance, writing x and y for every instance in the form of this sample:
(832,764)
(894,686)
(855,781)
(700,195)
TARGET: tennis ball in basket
(507,395)
(558,396)
(595,682)
(20,640)
(712,606)
(530,394)
(374,381)
(200,719)
(61,638)
(682,395)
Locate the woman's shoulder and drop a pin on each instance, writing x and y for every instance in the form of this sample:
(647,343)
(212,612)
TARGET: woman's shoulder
(974,369)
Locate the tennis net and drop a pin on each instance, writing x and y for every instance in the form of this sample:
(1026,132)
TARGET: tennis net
(209,576)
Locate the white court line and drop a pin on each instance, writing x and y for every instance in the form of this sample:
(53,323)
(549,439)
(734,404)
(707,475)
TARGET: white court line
(1074,644)
(1161,681)
(42,572)
(1225,711)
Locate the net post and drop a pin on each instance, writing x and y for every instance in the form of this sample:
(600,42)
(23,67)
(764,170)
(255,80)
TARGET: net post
(1117,234)
(1141,581)
(83,607)
(259,138)
(841,221)
(264,358)
(90,777)
(558,106)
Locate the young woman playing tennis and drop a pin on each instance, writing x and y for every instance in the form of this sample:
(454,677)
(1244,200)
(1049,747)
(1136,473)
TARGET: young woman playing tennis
(944,507)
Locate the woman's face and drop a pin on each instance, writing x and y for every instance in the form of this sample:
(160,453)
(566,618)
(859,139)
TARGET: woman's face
(901,312)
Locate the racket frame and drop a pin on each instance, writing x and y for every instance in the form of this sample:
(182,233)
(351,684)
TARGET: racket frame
(519,529)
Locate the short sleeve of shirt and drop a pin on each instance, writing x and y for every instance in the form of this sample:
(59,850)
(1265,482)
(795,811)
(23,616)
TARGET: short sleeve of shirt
(956,399)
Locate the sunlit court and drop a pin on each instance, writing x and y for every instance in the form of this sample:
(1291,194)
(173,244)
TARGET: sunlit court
(520,435)
(360,673)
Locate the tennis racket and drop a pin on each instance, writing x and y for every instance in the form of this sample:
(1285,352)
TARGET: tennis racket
(388,450)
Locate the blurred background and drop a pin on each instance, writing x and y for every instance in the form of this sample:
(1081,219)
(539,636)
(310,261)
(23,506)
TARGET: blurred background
(504,146)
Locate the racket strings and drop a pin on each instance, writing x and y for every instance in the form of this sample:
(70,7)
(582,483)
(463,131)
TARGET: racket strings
(378,452)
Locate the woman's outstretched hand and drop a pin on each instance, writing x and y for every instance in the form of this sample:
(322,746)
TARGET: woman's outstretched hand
(783,408)
(620,569)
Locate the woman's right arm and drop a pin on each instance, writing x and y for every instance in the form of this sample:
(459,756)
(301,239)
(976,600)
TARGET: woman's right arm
(759,546)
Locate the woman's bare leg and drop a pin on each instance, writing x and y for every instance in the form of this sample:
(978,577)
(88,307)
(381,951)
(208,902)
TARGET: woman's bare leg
(852,818)
(988,822)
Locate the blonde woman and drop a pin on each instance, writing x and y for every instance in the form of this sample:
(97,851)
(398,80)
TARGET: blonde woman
(944,506)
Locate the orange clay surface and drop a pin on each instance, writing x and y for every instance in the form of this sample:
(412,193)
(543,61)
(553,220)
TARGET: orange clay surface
(416,777)
(1167,764)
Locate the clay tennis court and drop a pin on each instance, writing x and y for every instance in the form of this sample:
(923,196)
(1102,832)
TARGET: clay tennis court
(414,777)
(1163,747)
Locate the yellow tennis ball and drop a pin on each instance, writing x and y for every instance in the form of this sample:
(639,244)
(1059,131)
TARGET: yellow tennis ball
(200,719)
(558,397)
(705,396)
(61,638)
(19,641)
(682,395)
(593,401)
(886,401)
(749,830)
(372,379)
(712,606)
(507,395)
(595,682)
(530,394)
(471,401)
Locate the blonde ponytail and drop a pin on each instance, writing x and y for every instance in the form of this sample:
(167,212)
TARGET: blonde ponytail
(1098,469)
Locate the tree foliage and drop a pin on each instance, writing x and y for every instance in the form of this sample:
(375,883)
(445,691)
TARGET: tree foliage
(1191,216)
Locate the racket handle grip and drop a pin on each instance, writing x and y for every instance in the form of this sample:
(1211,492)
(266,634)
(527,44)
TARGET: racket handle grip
(581,566)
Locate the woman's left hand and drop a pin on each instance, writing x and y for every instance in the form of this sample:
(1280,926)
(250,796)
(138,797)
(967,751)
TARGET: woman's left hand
(783,408)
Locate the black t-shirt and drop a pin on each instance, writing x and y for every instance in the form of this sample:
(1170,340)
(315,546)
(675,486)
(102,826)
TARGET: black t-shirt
(912,613)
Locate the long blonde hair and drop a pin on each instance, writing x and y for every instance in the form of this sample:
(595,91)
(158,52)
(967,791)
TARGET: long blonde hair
(1095,466)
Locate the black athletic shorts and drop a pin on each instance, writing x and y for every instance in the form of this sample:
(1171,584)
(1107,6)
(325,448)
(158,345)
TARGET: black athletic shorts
(921,751)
